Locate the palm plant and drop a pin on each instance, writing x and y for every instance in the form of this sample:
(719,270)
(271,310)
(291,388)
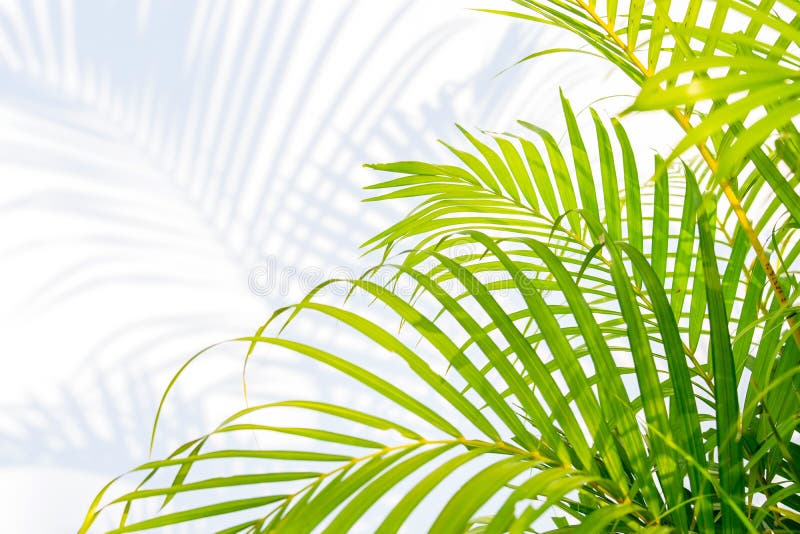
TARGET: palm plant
(594,351)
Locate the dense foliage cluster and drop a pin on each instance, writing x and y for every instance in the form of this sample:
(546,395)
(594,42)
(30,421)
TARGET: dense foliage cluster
(603,350)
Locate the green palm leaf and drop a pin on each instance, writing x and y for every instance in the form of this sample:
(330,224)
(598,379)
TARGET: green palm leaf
(592,348)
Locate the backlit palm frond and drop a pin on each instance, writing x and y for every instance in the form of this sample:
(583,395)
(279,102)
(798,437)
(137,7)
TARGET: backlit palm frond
(576,431)
(741,85)
(568,383)
(511,192)
(489,441)
(578,349)
(700,59)
(740,297)
(726,71)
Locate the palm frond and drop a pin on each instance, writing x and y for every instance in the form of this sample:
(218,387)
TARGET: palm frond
(566,343)
(555,337)
(738,84)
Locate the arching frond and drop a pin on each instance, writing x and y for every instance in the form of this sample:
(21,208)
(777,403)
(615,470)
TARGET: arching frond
(579,347)
(570,374)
